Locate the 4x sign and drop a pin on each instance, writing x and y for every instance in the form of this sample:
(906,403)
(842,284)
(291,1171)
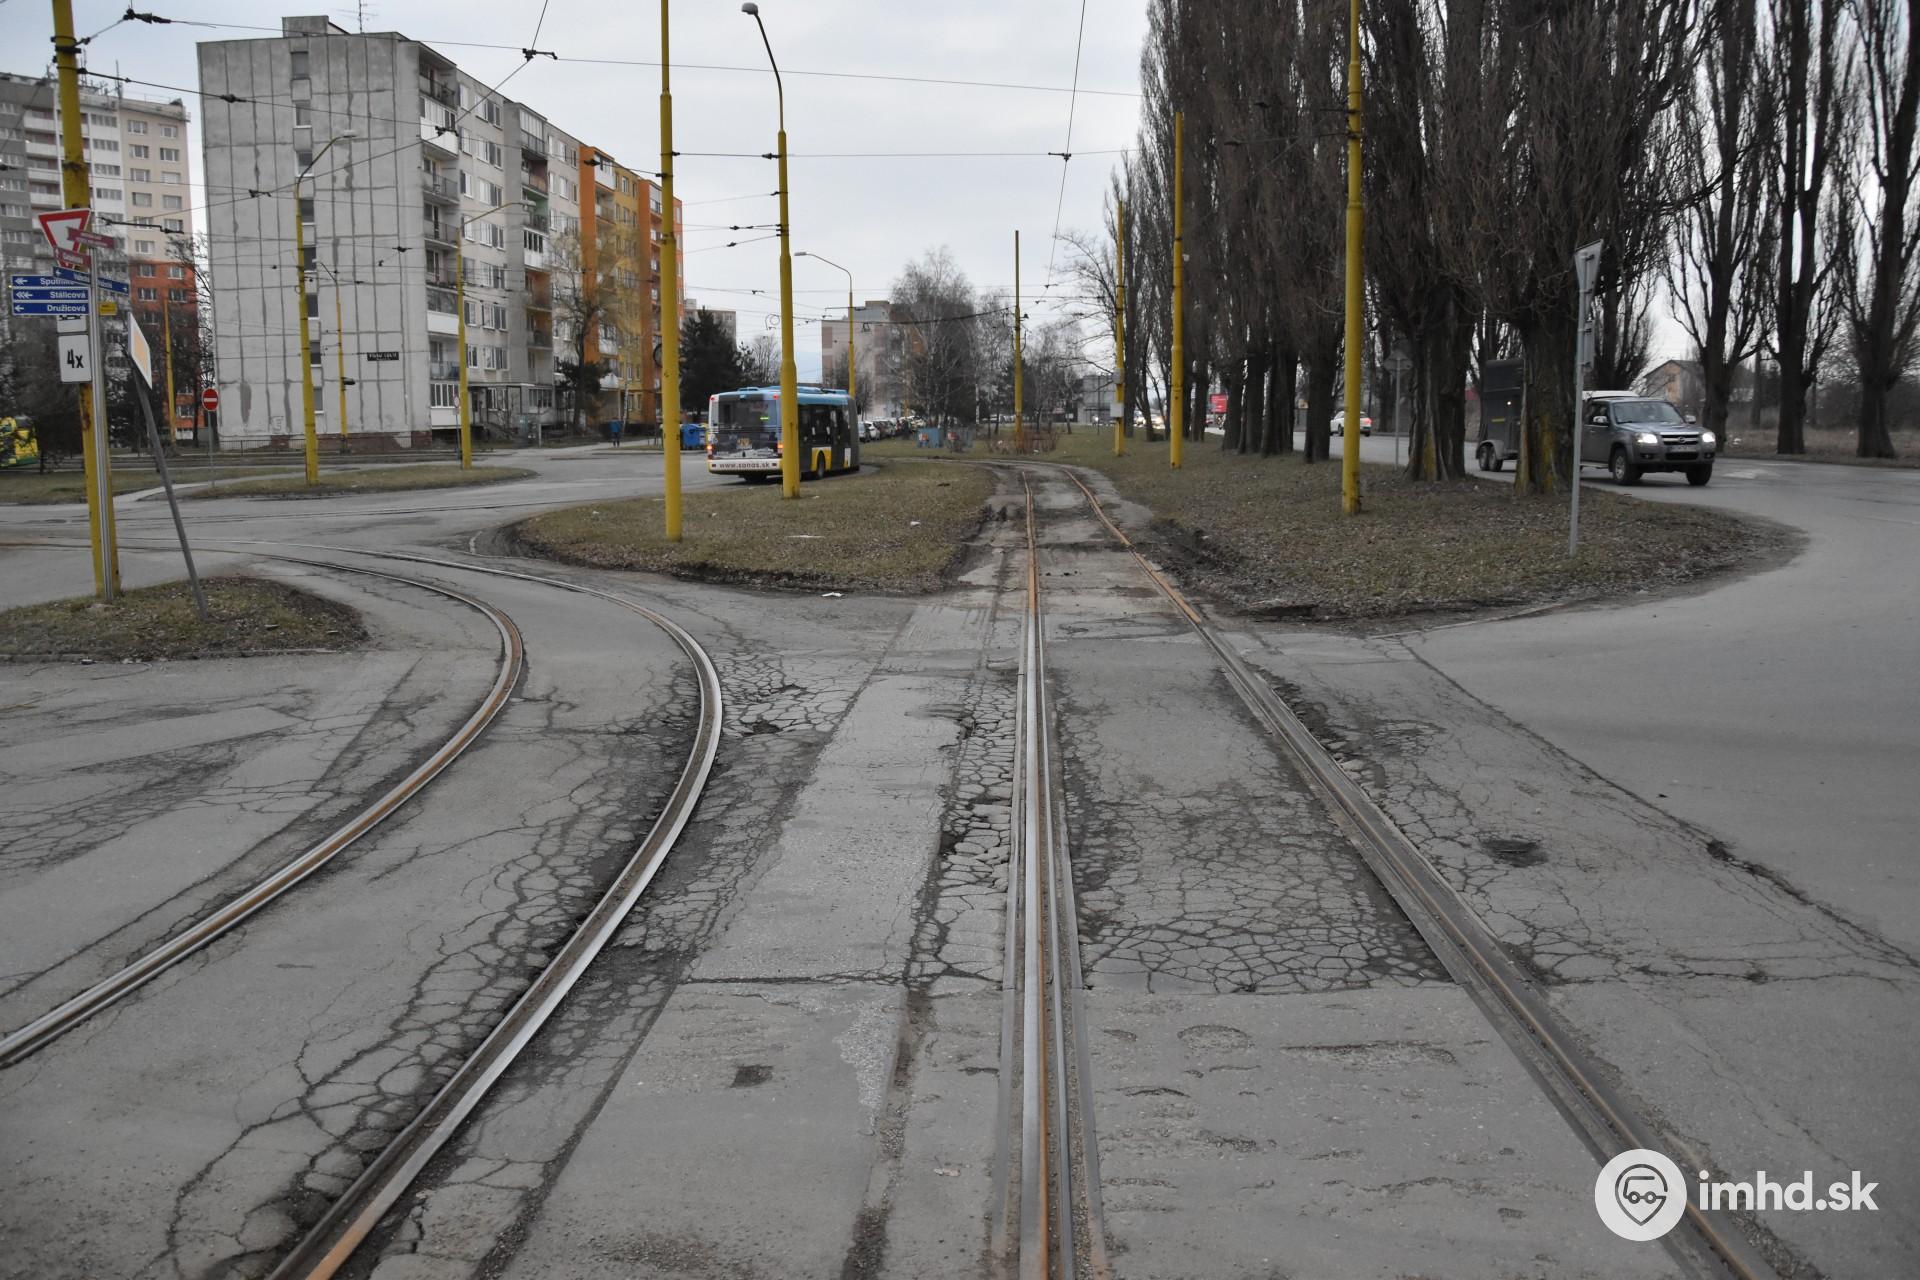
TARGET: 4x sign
(63,229)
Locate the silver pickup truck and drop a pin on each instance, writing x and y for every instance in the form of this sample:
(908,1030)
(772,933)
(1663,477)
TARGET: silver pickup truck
(1631,435)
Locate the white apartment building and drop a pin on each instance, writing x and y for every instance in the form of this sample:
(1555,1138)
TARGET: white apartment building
(876,352)
(414,166)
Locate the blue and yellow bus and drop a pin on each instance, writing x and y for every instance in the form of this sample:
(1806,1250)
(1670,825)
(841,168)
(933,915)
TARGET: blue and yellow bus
(743,433)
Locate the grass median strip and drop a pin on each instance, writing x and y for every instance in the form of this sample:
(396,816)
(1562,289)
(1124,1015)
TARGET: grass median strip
(30,488)
(374,479)
(897,526)
(1268,534)
(245,616)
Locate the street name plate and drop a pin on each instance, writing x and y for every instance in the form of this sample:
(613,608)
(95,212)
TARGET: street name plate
(383,355)
(50,308)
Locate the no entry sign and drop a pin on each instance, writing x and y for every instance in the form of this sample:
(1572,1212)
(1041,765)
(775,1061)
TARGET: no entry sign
(210,400)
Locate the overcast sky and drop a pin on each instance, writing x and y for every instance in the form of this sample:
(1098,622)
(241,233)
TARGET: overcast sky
(870,214)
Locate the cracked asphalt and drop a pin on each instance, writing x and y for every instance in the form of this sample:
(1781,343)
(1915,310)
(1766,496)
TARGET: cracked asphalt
(787,1061)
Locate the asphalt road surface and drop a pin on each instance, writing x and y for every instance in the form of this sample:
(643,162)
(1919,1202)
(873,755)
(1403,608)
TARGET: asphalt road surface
(1686,817)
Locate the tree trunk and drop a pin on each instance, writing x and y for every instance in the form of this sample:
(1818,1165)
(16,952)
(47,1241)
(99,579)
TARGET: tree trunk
(1280,396)
(1256,393)
(1545,459)
(1323,368)
(1237,381)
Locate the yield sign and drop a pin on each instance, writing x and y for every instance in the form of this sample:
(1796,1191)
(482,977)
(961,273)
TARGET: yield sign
(63,228)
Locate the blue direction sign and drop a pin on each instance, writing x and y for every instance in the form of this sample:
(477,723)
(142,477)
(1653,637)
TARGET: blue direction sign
(49,308)
(50,294)
(39,282)
(81,277)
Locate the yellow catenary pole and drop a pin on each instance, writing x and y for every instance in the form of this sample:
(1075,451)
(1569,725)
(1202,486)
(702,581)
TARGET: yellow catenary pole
(340,360)
(1177,391)
(853,400)
(789,375)
(166,336)
(75,188)
(1120,328)
(306,339)
(1019,419)
(1350,433)
(669,301)
(460,311)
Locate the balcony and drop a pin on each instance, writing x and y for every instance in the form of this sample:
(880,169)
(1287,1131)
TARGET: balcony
(443,371)
(540,339)
(441,233)
(539,296)
(533,145)
(46,200)
(437,187)
(533,181)
(441,277)
(538,222)
(441,316)
(448,143)
(444,94)
(44,150)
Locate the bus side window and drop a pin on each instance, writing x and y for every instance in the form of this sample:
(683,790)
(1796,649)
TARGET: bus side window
(841,439)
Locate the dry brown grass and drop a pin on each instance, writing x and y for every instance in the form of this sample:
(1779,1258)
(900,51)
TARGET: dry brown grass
(245,616)
(897,527)
(425,475)
(1269,535)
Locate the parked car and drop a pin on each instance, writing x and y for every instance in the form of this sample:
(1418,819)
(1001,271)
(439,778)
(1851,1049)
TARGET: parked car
(1340,424)
(1631,435)
(868,431)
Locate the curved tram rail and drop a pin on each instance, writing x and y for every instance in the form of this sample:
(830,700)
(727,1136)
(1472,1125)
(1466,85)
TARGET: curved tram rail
(57,1021)
(1472,956)
(333,1239)
(1047,1224)
(353,1217)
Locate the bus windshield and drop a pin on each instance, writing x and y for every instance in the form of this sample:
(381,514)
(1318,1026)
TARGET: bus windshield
(745,424)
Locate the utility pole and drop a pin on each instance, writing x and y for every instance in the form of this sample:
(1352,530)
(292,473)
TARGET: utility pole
(789,375)
(300,304)
(1019,420)
(460,312)
(1177,389)
(76,190)
(1350,430)
(340,352)
(1120,328)
(669,302)
(166,336)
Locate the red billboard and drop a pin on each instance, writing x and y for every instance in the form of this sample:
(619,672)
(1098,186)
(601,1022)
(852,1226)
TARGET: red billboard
(1217,403)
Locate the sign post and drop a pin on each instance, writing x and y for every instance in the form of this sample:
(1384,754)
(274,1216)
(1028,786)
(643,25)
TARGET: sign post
(140,355)
(1586,265)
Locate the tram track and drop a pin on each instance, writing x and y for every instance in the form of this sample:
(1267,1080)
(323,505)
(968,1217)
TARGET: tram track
(1472,956)
(22,1043)
(1047,1222)
(331,1242)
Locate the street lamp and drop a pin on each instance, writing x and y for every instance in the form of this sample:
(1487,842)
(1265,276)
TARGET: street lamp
(300,298)
(789,376)
(853,401)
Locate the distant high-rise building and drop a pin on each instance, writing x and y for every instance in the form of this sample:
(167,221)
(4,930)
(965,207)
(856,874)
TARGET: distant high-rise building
(876,348)
(140,175)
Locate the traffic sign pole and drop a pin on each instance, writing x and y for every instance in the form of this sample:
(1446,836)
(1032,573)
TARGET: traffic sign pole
(75,186)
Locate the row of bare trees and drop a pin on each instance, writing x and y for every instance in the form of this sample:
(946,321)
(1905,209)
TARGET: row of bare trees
(1748,164)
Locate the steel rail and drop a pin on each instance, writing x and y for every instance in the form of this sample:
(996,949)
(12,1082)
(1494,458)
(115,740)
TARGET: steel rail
(1469,951)
(353,1217)
(56,1022)
(1058,1160)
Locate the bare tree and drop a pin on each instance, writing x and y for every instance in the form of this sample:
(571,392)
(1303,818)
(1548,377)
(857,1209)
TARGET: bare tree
(1722,246)
(1883,300)
(1813,72)
(936,307)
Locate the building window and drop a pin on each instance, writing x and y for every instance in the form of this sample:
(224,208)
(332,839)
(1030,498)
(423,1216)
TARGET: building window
(170,154)
(444,395)
(143,199)
(170,175)
(176,273)
(18,237)
(106,171)
(140,175)
(298,63)
(169,131)
(139,150)
(492,154)
(171,202)
(105,122)
(136,126)
(147,295)
(143,246)
(490,111)
(173,224)
(177,295)
(102,144)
